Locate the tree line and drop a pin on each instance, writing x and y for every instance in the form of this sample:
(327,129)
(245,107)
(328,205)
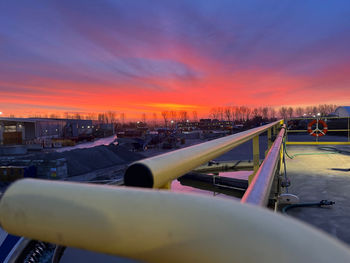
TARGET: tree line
(243,113)
(228,113)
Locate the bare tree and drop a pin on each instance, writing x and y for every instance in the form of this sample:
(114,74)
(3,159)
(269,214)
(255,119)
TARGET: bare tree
(143,117)
(183,116)
(326,109)
(154,119)
(91,116)
(233,112)
(122,118)
(255,112)
(173,115)
(77,116)
(265,113)
(101,118)
(248,112)
(272,113)
(238,113)
(331,108)
(299,111)
(165,115)
(67,115)
(228,113)
(195,116)
(243,112)
(221,113)
(290,112)
(111,116)
(54,116)
(283,111)
(214,113)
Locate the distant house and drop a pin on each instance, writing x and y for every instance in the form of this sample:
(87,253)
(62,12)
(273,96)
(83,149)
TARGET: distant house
(342,111)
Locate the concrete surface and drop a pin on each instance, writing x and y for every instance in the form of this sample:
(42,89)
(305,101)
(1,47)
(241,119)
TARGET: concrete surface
(317,177)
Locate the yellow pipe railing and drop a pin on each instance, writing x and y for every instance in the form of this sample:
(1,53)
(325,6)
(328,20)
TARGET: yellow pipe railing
(160,226)
(259,190)
(155,172)
(318,143)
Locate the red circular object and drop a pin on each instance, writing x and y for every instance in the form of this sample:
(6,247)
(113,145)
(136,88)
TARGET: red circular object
(317,132)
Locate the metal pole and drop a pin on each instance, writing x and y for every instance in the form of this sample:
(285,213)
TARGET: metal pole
(160,226)
(159,170)
(269,139)
(348,129)
(256,153)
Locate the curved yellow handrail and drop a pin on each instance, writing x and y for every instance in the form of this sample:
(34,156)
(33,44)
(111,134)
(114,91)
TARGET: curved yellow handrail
(160,226)
(157,171)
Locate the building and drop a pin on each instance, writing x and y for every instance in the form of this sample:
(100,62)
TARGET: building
(342,111)
(22,130)
(205,124)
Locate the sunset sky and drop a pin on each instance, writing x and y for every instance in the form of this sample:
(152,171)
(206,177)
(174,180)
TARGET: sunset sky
(136,56)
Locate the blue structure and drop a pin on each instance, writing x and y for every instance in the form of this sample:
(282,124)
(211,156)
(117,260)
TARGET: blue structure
(343,111)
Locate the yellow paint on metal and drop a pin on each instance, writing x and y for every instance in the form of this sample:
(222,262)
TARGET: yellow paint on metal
(169,166)
(256,158)
(339,130)
(160,226)
(167,186)
(297,130)
(251,177)
(269,139)
(256,153)
(318,117)
(348,129)
(281,158)
(318,143)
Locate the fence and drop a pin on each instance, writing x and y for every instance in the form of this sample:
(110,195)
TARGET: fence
(337,131)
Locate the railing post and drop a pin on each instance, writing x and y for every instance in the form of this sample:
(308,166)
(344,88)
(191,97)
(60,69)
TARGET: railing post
(256,153)
(281,158)
(167,186)
(348,129)
(256,157)
(274,130)
(269,141)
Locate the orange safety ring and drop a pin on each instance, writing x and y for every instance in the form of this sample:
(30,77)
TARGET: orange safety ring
(317,132)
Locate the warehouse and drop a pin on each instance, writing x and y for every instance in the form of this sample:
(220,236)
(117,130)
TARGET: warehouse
(22,130)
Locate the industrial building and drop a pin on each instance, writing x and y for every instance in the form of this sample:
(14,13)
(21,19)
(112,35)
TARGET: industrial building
(23,130)
(342,111)
(206,124)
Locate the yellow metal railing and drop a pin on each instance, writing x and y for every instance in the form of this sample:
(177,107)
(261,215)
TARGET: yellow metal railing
(319,140)
(158,171)
(160,226)
(259,190)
